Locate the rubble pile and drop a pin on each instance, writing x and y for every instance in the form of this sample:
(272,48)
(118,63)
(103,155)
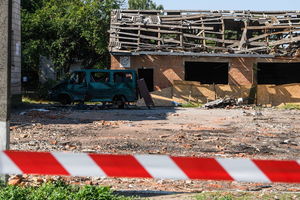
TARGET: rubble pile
(264,133)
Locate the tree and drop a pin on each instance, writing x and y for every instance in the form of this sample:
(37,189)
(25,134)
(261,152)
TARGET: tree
(143,5)
(65,31)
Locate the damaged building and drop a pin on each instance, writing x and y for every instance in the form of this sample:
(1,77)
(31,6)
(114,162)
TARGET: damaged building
(203,55)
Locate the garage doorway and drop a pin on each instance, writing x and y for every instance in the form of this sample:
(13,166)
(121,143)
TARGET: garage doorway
(207,72)
(147,74)
(278,73)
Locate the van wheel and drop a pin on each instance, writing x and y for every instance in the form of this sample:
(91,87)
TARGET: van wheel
(65,99)
(119,101)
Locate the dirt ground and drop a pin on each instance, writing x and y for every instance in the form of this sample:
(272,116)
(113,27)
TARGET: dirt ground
(244,132)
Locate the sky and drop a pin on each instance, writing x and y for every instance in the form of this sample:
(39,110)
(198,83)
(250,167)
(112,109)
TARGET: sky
(230,4)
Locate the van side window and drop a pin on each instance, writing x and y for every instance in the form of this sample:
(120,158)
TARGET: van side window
(121,77)
(78,77)
(100,77)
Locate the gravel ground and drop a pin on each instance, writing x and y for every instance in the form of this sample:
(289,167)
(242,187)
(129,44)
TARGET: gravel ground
(242,132)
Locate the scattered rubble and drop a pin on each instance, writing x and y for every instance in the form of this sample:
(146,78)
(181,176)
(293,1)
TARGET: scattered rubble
(15,180)
(34,110)
(223,102)
(248,133)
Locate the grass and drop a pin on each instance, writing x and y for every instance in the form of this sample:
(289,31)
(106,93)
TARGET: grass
(246,196)
(59,191)
(29,100)
(191,105)
(290,106)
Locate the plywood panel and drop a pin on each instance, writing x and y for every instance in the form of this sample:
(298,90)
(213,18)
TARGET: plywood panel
(186,91)
(203,93)
(288,93)
(265,94)
(280,94)
(160,98)
(189,91)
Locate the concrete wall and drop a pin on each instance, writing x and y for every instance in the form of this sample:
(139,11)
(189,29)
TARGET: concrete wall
(4,62)
(16,53)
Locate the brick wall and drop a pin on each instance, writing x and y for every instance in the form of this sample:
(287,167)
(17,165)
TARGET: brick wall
(241,71)
(166,68)
(114,62)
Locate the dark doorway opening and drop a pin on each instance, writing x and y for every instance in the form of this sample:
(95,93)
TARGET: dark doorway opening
(278,73)
(207,72)
(147,74)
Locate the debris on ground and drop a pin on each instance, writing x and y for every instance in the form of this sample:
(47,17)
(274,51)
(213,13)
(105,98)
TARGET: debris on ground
(15,180)
(34,111)
(176,104)
(223,102)
(266,133)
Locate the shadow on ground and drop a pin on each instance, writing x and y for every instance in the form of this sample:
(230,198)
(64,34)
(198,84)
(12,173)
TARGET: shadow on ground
(84,114)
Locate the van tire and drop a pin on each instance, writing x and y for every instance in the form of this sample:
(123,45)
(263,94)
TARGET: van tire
(65,99)
(119,101)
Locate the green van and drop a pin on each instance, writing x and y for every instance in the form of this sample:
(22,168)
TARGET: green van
(95,85)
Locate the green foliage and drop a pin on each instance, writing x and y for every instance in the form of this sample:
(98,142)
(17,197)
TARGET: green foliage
(66,31)
(290,106)
(191,105)
(58,191)
(143,5)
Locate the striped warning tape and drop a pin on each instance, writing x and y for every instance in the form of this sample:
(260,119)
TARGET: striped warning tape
(149,166)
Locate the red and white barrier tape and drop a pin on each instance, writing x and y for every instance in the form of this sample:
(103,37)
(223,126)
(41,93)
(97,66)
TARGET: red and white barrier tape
(149,166)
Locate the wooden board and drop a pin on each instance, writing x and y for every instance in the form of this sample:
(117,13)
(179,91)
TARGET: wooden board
(234,32)
(144,92)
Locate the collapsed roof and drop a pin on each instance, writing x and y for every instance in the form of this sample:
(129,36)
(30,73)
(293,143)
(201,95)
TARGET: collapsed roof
(218,32)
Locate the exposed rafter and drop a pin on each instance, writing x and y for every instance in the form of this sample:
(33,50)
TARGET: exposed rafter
(242,32)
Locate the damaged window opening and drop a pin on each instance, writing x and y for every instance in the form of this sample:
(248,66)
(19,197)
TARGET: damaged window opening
(278,73)
(148,75)
(207,72)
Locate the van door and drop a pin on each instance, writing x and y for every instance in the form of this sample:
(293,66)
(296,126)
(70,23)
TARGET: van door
(125,84)
(77,86)
(100,87)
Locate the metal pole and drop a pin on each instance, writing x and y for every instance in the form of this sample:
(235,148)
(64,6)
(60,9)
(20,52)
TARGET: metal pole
(5,64)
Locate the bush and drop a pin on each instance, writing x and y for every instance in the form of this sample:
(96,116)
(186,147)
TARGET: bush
(58,191)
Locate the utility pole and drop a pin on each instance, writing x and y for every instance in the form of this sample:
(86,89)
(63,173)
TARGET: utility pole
(5,65)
